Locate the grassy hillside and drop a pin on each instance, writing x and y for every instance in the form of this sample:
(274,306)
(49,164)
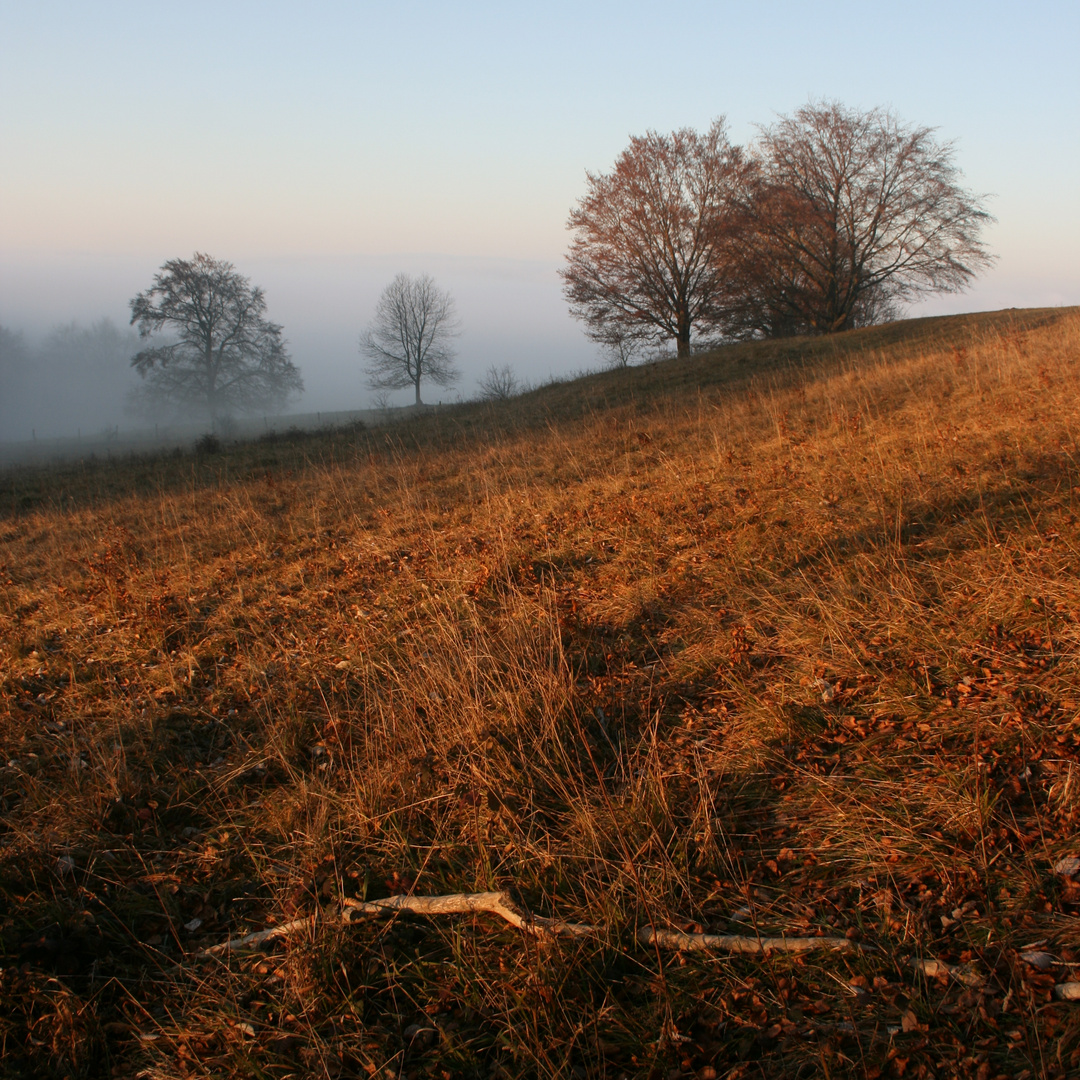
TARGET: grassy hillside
(776,641)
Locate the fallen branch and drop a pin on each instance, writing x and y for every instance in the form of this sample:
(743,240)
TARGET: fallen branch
(256,939)
(499,903)
(739,943)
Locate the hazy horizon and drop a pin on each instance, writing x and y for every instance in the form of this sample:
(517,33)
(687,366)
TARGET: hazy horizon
(508,317)
(299,146)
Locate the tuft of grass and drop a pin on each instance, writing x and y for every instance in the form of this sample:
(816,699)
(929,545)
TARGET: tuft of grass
(780,639)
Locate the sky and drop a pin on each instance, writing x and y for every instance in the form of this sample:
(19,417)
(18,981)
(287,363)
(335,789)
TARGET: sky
(324,147)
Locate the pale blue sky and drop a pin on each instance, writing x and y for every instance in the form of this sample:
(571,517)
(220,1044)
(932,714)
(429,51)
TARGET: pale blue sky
(321,147)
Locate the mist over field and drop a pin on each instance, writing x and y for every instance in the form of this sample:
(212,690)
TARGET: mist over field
(64,360)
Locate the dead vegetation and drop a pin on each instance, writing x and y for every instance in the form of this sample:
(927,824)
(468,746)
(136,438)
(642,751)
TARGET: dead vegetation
(777,642)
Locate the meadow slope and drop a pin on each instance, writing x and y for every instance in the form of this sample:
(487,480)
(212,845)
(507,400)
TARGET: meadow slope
(781,640)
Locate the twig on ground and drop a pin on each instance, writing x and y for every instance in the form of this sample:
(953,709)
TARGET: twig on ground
(739,943)
(499,903)
(261,936)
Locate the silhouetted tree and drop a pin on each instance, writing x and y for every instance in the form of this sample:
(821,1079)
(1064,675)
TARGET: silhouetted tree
(847,215)
(651,239)
(408,341)
(224,355)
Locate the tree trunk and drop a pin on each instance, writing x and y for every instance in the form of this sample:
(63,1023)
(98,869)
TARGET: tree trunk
(418,401)
(211,387)
(682,336)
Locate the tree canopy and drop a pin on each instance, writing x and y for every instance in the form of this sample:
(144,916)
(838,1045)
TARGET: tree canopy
(833,218)
(220,353)
(847,216)
(647,257)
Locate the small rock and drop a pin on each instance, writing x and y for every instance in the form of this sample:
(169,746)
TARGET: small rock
(1069,991)
(192,926)
(1040,960)
(1068,866)
(65,865)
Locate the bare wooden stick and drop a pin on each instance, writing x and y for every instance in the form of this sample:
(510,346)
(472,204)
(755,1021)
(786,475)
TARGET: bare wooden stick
(497,903)
(500,903)
(739,943)
(249,941)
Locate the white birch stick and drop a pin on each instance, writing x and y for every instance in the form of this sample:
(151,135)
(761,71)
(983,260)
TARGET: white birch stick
(252,940)
(739,943)
(499,903)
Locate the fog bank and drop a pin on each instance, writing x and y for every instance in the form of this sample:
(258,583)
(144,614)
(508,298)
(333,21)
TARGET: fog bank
(60,378)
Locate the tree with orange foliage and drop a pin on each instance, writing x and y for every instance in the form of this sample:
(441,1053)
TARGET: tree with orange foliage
(647,261)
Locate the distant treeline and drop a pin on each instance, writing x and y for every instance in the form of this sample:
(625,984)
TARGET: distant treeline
(77,378)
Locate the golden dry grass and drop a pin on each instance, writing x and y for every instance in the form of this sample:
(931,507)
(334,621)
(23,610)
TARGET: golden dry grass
(783,638)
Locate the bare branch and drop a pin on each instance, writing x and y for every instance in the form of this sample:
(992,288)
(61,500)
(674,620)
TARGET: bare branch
(500,903)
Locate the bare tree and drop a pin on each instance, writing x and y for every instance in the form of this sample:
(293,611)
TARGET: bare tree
(499,384)
(223,354)
(648,255)
(408,341)
(847,215)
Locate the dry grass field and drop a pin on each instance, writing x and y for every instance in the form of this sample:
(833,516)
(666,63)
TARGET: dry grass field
(777,641)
